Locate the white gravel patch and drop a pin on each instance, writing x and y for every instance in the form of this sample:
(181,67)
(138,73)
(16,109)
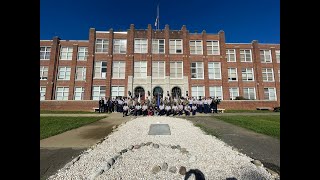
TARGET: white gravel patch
(214,158)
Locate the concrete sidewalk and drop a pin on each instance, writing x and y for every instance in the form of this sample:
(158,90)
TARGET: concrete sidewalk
(58,150)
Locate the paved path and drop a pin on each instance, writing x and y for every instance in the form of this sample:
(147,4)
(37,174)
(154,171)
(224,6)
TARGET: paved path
(255,145)
(57,150)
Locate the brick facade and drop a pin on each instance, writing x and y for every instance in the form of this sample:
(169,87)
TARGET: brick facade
(130,83)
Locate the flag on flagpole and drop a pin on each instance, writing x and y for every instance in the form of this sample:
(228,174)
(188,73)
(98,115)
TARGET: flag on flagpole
(139,98)
(157,19)
(156,22)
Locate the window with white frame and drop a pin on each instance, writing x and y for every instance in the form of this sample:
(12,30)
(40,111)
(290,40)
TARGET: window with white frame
(176,70)
(175,46)
(81,73)
(102,45)
(66,53)
(197,91)
(234,92)
(245,55)
(42,93)
(119,46)
(64,73)
(249,93)
(231,55)
(43,72)
(232,74)
(265,56)
(196,47)
(117,91)
(78,93)
(98,92)
(216,91)
(279,74)
(278,56)
(270,94)
(247,74)
(158,46)
(140,69)
(82,53)
(100,69)
(214,70)
(213,48)
(118,69)
(62,93)
(45,52)
(158,70)
(140,45)
(197,70)
(267,75)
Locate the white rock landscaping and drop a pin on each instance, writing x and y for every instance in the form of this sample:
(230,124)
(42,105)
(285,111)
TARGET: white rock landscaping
(130,153)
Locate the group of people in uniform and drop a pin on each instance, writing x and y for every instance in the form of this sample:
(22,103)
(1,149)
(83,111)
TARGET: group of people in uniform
(159,106)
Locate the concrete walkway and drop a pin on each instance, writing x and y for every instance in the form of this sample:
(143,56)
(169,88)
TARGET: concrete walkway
(255,145)
(57,150)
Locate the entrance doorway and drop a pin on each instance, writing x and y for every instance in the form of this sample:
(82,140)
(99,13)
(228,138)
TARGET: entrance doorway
(138,90)
(176,92)
(158,90)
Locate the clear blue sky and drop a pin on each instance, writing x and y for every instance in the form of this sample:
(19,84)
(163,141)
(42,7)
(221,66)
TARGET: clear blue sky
(241,20)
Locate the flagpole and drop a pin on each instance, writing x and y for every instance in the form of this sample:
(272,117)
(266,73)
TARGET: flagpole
(158,16)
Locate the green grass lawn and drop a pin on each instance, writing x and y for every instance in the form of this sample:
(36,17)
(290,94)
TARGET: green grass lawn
(266,124)
(50,126)
(67,112)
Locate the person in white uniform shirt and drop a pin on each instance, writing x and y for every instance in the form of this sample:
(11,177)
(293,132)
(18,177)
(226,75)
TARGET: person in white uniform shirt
(180,109)
(144,109)
(161,109)
(125,110)
(194,109)
(175,109)
(137,109)
(187,110)
(168,109)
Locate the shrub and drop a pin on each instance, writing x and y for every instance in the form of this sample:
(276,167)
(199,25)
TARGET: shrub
(276,109)
(240,98)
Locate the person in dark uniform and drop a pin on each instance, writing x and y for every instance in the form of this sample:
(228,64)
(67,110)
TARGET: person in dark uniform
(101,105)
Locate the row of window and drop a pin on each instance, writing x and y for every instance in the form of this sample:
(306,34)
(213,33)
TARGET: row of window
(62,93)
(158,47)
(158,71)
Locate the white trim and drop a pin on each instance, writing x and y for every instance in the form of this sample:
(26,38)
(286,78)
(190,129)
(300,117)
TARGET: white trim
(104,45)
(275,93)
(65,70)
(42,70)
(120,32)
(102,31)
(45,40)
(84,73)
(100,66)
(120,45)
(204,91)
(214,90)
